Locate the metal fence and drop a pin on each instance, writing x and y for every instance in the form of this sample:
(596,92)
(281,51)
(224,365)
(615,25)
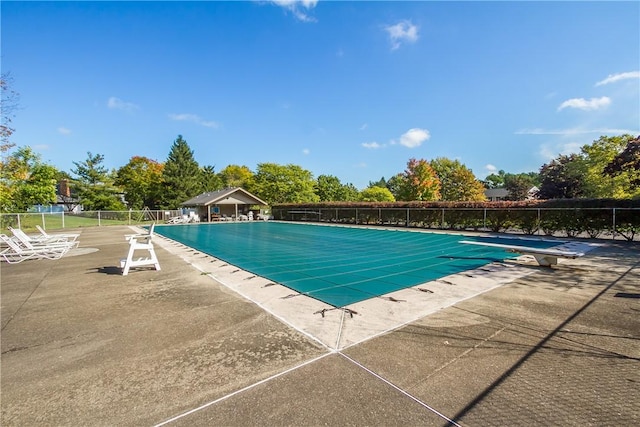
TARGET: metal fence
(59,220)
(570,222)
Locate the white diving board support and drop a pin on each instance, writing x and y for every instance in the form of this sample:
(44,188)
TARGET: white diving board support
(545,257)
(139,242)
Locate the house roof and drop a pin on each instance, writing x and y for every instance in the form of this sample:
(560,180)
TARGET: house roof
(496,192)
(228,196)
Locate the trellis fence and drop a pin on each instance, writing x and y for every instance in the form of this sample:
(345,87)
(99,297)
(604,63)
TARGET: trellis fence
(570,222)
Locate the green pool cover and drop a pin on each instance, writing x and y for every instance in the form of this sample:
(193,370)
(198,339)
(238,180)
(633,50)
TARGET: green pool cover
(339,265)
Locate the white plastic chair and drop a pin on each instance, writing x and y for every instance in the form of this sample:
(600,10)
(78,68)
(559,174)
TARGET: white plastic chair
(140,242)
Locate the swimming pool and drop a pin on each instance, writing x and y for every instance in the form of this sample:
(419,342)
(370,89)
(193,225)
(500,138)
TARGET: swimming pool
(338,265)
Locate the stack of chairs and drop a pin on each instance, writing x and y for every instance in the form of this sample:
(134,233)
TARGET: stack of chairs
(21,246)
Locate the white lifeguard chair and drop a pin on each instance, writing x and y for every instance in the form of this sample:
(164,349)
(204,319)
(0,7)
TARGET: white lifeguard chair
(140,242)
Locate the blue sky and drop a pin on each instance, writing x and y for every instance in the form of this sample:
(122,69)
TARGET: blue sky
(351,89)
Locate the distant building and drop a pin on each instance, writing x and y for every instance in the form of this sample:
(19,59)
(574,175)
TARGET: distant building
(501,194)
(496,194)
(64,201)
(230,202)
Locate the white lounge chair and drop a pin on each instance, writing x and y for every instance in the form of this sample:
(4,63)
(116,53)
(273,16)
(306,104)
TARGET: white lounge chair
(68,236)
(29,242)
(15,253)
(182,219)
(193,217)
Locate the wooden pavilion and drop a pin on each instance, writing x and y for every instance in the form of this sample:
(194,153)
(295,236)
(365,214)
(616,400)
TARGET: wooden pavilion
(228,204)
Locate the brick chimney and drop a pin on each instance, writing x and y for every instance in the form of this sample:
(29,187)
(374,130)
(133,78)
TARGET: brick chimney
(64,188)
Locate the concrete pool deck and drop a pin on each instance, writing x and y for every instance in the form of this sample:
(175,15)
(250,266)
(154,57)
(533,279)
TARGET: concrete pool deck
(84,345)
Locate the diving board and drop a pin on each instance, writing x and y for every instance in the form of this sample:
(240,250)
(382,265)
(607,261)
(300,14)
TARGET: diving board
(545,257)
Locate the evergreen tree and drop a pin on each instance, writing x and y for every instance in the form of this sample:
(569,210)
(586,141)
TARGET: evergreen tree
(211,181)
(181,175)
(94,185)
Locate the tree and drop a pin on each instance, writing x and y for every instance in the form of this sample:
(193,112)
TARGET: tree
(141,181)
(500,179)
(458,183)
(94,185)
(379,183)
(284,184)
(395,184)
(562,178)
(211,181)
(596,157)
(181,176)
(376,194)
(419,182)
(518,186)
(350,193)
(26,181)
(627,161)
(330,189)
(236,176)
(494,180)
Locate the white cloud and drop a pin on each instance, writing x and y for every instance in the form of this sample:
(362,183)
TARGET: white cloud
(372,145)
(299,8)
(403,31)
(185,117)
(118,104)
(64,131)
(586,105)
(612,78)
(491,168)
(413,138)
(306,151)
(364,126)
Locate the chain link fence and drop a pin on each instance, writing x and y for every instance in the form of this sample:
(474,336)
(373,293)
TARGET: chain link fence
(59,220)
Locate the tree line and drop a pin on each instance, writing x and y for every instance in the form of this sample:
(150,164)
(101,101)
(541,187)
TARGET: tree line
(607,168)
